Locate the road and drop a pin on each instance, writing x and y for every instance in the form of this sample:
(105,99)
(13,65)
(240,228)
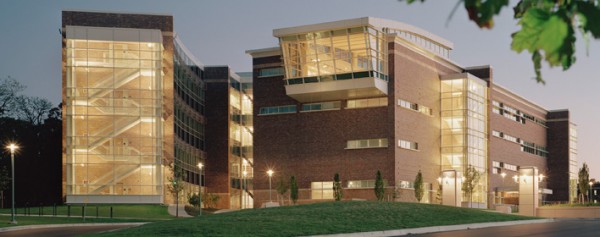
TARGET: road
(63,231)
(559,228)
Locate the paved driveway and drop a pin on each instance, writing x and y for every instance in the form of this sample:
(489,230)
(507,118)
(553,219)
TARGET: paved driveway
(63,231)
(559,228)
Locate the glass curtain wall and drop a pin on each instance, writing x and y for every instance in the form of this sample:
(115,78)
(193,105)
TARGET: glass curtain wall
(464,130)
(113,112)
(335,55)
(189,120)
(240,136)
(573,166)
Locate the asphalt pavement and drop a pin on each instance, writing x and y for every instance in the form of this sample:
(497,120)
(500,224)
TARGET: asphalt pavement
(63,231)
(558,228)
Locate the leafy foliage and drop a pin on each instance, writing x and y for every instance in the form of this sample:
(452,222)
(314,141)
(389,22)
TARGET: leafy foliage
(175,185)
(338,192)
(583,182)
(547,27)
(293,189)
(282,187)
(194,199)
(379,189)
(210,200)
(470,182)
(419,189)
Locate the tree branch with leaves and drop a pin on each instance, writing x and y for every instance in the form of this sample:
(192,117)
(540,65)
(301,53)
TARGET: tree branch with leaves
(547,27)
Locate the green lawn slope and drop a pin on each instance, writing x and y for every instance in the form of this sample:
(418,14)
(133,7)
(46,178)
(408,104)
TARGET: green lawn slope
(314,219)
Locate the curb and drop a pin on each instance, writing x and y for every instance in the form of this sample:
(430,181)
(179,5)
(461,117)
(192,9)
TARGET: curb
(433,229)
(28,227)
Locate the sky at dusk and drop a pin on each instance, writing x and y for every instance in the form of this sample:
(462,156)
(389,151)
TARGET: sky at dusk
(219,33)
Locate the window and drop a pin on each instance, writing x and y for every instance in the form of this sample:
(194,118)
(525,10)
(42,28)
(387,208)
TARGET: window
(496,164)
(321,190)
(270,72)
(416,107)
(408,145)
(334,105)
(367,143)
(526,146)
(407,184)
(366,103)
(286,109)
(510,167)
(361,184)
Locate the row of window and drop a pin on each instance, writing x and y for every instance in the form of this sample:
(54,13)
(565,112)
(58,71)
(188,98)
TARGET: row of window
(284,109)
(498,165)
(380,142)
(408,145)
(514,114)
(188,138)
(271,72)
(526,146)
(322,106)
(416,107)
(367,143)
(332,105)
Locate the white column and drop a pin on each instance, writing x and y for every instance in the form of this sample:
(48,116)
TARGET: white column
(451,182)
(528,191)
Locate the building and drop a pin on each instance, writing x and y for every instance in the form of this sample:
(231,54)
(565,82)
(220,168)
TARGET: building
(139,109)
(361,95)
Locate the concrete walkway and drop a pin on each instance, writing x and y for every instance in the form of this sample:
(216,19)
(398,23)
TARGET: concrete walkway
(433,229)
(172,210)
(28,227)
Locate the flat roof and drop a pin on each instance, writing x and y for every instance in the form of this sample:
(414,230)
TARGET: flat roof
(117,12)
(378,23)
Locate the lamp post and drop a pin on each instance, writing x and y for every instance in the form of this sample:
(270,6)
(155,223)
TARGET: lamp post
(12,147)
(200,165)
(270,173)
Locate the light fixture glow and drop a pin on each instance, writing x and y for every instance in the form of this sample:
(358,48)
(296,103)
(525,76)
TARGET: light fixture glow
(270,173)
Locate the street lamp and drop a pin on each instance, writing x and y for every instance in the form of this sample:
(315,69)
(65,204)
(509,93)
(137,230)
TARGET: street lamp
(12,147)
(200,165)
(270,173)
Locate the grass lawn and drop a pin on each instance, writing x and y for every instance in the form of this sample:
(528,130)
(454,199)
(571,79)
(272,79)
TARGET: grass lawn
(321,218)
(119,211)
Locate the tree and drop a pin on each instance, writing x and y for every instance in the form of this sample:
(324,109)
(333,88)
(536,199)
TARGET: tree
(470,182)
(293,189)
(338,192)
(419,189)
(584,179)
(547,26)
(175,186)
(193,199)
(210,200)
(9,89)
(32,109)
(282,187)
(379,189)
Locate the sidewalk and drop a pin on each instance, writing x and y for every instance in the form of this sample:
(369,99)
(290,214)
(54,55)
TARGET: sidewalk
(172,210)
(27,227)
(433,229)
